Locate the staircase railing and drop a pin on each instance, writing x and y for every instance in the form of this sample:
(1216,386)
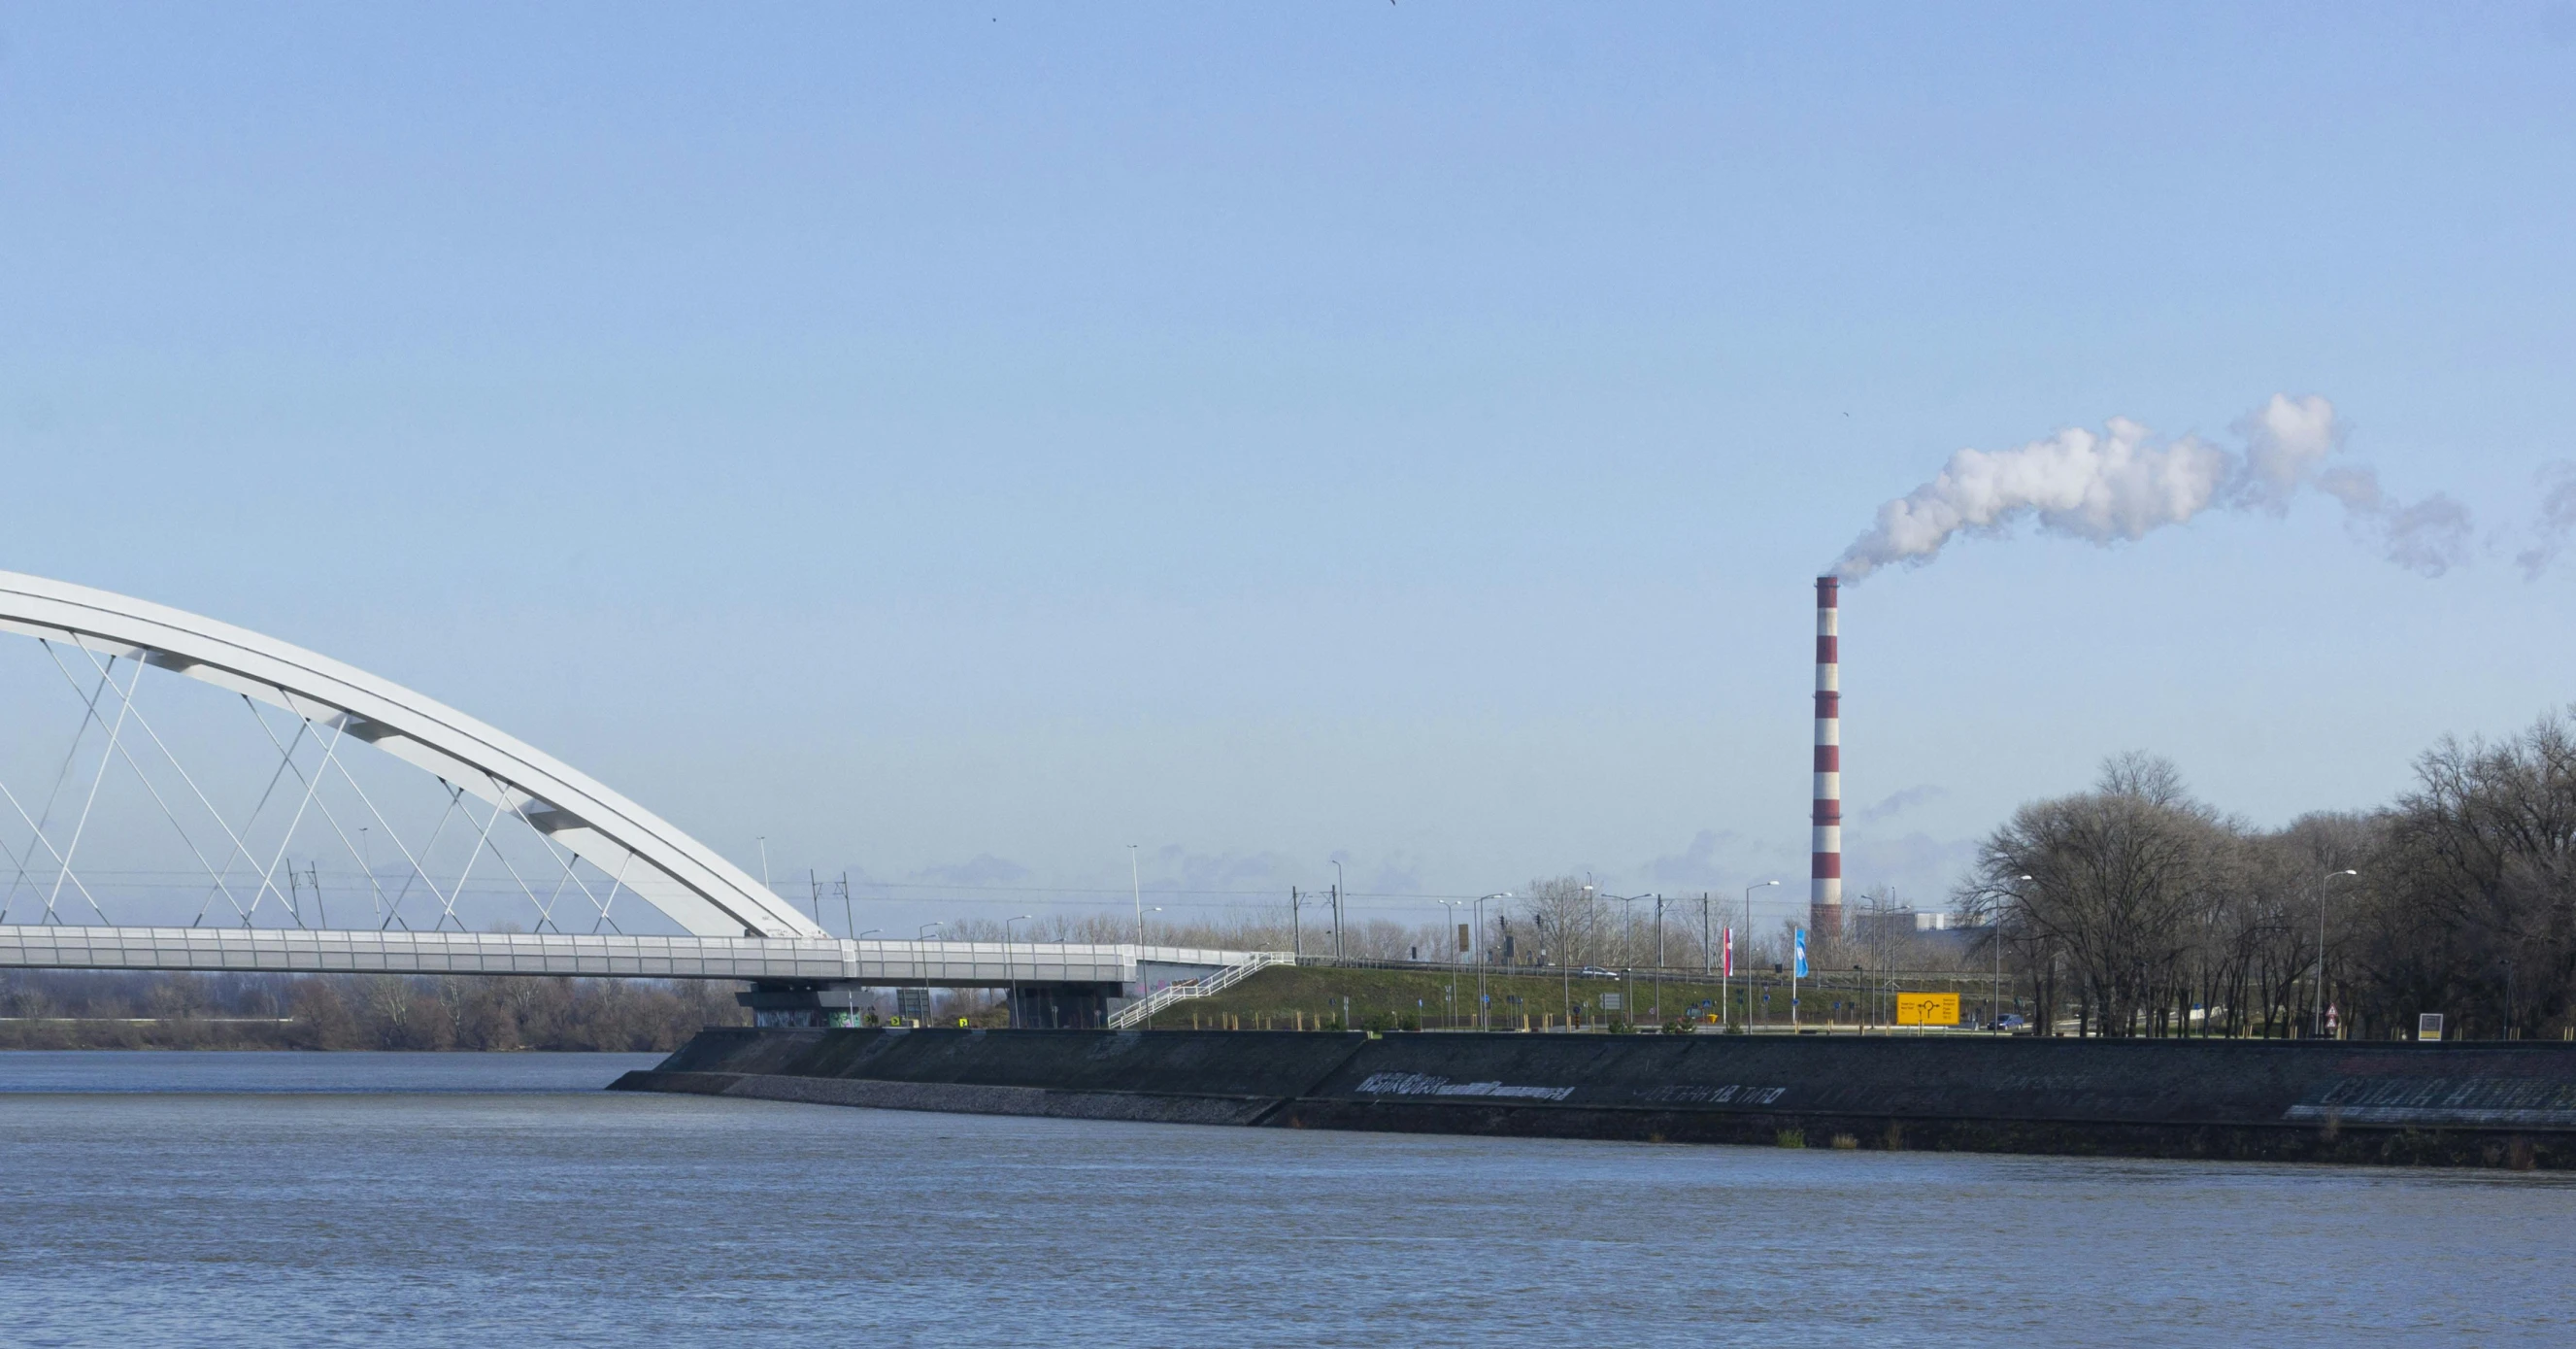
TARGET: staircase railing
(1143,1010)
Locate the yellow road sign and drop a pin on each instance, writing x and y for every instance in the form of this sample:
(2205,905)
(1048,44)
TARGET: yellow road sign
(1927,1009)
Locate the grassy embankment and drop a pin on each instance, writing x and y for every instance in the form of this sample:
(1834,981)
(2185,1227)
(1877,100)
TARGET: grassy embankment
(1277,999)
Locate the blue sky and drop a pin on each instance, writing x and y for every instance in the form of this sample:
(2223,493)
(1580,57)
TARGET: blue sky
(957,443)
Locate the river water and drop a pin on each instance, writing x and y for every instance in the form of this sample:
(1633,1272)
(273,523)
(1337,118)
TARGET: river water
(238,1199)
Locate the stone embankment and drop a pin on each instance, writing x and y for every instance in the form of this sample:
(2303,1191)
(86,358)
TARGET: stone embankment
(2504,1105)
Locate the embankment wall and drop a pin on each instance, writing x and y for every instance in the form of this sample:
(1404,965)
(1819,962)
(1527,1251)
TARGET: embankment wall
(2484,1104)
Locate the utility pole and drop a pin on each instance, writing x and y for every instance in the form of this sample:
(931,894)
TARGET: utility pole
(848,914)
(1659,959)
(1136,879)
(313,876)
(1338,924)
(1296,931)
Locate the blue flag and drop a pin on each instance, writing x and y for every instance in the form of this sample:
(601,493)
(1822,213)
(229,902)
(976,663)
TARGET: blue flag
(1802,953)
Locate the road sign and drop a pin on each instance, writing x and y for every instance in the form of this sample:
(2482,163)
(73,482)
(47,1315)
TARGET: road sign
(1927,1009)
(2428,1027)
(1610,1002)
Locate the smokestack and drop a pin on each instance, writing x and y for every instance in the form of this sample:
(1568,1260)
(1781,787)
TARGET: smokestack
(1825,888)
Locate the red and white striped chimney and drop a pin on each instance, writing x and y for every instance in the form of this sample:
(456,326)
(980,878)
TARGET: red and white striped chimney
(1825,886)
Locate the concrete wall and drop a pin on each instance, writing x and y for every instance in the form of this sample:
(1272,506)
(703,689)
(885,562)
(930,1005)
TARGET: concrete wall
(2474,1104)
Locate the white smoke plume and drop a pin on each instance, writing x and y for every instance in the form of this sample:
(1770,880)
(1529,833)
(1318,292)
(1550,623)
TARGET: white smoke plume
(2123,483)
(2556,486)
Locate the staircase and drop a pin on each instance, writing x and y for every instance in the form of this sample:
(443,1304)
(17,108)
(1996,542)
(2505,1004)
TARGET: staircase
(1142,1010)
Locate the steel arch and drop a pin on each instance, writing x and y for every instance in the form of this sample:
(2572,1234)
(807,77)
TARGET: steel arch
(683,878)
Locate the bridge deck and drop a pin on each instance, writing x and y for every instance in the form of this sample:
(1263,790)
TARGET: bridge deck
(941,964)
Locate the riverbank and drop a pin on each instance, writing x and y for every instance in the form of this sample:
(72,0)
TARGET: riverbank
(2489,1105)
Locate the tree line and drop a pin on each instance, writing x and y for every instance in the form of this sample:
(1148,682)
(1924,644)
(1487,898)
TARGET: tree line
(61,1009)
(2135,908)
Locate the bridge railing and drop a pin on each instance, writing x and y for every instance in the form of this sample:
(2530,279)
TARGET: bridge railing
(834,960)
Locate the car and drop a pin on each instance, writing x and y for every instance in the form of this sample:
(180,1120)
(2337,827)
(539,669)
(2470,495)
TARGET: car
(1596,972)
(2011,1023)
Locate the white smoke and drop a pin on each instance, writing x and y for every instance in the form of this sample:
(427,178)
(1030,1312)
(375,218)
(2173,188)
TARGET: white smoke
(2123,483)
(2556,485)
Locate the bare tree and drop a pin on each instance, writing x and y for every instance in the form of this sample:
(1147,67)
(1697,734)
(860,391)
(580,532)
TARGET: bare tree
(2120,880)
(1567,915)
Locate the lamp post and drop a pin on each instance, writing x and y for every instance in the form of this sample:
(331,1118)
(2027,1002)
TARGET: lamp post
(1483,957)
(2320,1013)
(1748,936)
(1997,936)
(1011,969)
(1452,906)
(924,934)
(1627,956)
(1543,953)
(1136,883)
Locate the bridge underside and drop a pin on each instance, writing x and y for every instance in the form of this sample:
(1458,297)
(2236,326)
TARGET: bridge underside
(1042,1004)
(786,962)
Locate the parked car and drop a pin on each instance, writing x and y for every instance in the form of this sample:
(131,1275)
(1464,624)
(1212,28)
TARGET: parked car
(2010,1023)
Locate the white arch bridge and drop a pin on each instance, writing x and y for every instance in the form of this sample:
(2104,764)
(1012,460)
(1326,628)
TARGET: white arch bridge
(504,822)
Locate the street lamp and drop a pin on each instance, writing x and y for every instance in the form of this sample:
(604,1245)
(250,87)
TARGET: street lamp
(1483,957)
(1997,936)
(1452,906)
(867,934)
(1136,882)
(924,934)
(1748,937)
(2320,1014)
(1011,969)
(1562,969)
